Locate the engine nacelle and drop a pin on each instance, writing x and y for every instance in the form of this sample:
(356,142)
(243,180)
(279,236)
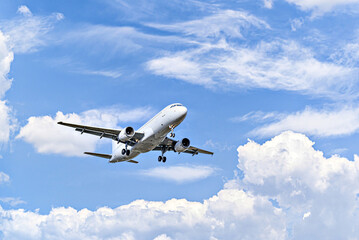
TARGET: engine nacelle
(126,134)
(182,145)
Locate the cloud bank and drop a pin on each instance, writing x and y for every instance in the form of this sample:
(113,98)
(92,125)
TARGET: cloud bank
(288,190)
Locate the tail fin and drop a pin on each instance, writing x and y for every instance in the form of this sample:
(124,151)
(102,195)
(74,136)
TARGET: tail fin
(99,155)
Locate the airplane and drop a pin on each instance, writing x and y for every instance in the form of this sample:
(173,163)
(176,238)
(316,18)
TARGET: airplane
(152,136)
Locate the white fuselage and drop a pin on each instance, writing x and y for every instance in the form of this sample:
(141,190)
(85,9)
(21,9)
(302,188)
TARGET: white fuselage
(155,131)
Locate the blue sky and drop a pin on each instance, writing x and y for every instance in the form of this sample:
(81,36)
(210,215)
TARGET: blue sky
(246,70)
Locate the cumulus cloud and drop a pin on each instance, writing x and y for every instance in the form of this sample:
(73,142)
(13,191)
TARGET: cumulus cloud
(6,57)
(48,137)
(322,123)
(231,214)
(307,185)
(8,123)
(287,189)
(28,32)
(180,174)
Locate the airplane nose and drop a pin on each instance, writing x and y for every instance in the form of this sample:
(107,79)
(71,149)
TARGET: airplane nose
(183,111)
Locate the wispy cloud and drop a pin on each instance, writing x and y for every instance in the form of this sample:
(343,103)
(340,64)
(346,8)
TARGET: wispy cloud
(29,32)
(180,174)
(315,122)
(221,146)
(229,23)
(12,201)
(277,65)
(319,7)
(4,178)
(105,73)
(258,116)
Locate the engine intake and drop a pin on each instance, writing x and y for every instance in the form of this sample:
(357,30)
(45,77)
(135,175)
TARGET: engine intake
(126,134)
(182,145)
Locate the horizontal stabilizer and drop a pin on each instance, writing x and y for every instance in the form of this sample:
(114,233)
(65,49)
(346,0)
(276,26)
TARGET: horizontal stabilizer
(132,161)
(99,155)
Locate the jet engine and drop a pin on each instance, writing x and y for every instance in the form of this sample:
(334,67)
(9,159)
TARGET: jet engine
(182,145)
(126,134)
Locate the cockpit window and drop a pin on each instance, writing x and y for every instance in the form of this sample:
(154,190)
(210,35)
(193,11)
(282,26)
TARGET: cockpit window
(175,105)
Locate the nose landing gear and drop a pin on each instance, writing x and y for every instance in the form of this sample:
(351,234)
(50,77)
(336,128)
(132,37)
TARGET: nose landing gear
(172,134)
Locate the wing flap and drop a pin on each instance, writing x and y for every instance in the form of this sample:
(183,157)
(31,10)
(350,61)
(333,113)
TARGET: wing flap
(101,132)
(195,150)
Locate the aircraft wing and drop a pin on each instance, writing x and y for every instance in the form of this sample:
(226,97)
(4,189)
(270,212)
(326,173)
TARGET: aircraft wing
(101,132)
(170,143)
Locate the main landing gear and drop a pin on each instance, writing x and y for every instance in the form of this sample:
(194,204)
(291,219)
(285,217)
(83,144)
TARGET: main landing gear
(162,159)
(125,151)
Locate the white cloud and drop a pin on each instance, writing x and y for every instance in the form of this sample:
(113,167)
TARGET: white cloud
(27,33)
(48,137)
(118,39)
(105,73)
(277,65)
(231,214)
(316,198)
(24,10)
(8,123)
(4,178)
(288,169)
(306,215)
(224,22)
(12,201)
(310,121)
(180,174)
(322,6)
(258,116)
(218,145)
(268,3)
(162,237)
(296,23)
(6,57)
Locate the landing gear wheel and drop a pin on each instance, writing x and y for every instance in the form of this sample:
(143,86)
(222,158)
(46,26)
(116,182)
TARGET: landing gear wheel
(159,158)
(128,152)
(164,159)
(172,135)
(123,151)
